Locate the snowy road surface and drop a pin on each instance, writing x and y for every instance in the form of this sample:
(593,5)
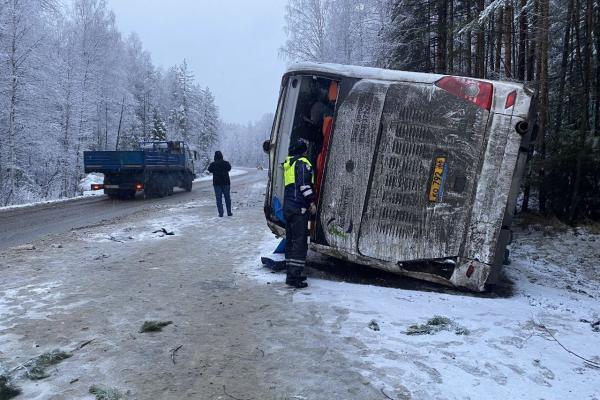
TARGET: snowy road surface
(23,224)
(240,333)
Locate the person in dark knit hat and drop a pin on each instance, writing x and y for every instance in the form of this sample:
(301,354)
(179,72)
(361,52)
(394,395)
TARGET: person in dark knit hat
(298,205)
(220,170)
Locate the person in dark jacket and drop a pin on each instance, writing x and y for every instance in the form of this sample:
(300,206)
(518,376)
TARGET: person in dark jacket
(220,170)
(298,205)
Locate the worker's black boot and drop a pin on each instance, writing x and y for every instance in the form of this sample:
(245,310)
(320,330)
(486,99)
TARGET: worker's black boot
(296,282)
(299,284)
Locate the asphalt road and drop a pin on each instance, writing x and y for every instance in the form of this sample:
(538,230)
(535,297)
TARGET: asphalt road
(237,331)
(19,226)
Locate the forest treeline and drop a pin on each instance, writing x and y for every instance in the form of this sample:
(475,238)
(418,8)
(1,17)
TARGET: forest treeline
(242,143)
(554,47)
(70,82)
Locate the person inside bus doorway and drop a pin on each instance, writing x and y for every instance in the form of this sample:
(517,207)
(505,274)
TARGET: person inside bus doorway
(321,107)
(298,205)
(220,170)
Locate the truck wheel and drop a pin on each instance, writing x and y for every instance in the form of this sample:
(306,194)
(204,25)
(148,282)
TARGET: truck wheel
(187,185)
(155,187)
(151,189)
(114,194)
(161,189)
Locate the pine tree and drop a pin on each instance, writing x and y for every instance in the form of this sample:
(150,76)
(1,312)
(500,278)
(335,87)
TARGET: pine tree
(70,83)
(159,128)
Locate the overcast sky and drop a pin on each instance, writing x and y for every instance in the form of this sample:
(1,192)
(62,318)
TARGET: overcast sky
(231,45)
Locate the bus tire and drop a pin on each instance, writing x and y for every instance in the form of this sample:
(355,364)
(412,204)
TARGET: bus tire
(506,260)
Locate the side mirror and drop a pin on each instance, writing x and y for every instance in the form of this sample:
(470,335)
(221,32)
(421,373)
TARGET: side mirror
(266,146)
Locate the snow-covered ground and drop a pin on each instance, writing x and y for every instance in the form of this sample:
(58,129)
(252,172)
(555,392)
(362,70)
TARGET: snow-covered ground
(506,346)
(244,332)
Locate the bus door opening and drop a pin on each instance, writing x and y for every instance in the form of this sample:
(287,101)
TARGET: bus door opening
(313,121)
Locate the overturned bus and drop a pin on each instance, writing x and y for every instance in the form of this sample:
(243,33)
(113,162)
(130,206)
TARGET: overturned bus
(416,173)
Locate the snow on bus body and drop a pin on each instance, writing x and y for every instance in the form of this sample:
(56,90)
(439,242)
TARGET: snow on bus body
(421,167)
(502,88)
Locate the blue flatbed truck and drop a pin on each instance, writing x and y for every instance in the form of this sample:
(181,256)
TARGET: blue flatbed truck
(155,169)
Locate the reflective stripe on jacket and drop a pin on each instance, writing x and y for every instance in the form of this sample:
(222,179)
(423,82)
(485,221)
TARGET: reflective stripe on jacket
(298,179)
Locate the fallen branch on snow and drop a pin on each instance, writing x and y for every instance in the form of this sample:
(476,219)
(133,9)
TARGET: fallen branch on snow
(385,394)
(164,232)
(589,362)
(174,351)
(83,344)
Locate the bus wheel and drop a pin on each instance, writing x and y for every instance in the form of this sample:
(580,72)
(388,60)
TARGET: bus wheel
(506,260)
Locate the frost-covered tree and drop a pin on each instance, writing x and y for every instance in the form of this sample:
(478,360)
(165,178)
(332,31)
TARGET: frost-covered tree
(69,82)
(23,52)
(553,46)
(242,144)
(208,134)
(185,102)
(159,128)
(355,27)
(343,31)
(193,114)
(407,36)
(306,29)
(142,80)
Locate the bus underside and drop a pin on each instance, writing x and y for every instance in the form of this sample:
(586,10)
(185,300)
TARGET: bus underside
(413,178)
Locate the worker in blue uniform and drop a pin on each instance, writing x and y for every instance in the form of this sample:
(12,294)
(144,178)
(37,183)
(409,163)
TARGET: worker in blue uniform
(298,206)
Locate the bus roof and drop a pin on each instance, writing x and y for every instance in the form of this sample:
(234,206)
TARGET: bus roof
(354,71)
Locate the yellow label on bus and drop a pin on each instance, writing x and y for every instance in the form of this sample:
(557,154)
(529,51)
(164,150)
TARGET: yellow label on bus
(436,192)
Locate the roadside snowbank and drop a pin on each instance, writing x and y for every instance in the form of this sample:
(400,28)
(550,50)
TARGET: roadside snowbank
(89,179)
(41,203)
(85,186)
